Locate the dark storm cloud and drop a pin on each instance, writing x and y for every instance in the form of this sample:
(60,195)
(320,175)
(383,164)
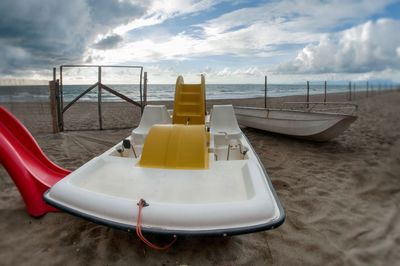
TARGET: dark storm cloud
(108,42)
(44,33)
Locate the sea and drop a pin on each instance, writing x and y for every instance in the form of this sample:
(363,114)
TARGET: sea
(38,93)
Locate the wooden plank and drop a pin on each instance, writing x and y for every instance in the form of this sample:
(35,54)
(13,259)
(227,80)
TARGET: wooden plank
(120,95)
(117,66)
(79,96)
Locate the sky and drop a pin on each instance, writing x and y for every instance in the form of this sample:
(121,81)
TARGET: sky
(230,42)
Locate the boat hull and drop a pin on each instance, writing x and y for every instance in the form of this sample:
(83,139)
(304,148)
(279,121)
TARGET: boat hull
(229,198)
(307,125)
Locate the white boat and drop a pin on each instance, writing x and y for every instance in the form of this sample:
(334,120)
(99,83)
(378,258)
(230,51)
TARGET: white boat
(317,126)
(195,178)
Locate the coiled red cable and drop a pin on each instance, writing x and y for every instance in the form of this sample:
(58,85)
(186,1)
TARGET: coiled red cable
(142,203)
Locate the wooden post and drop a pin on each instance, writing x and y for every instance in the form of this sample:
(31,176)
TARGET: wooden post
(59,111)
(99,98)
(54,74)
(141,92)
(145,89)
(349,90)
(61,100)
(308,94)
(367,88)
(265,91)
(53,106)
(325,93)
(56,95)
(354,91)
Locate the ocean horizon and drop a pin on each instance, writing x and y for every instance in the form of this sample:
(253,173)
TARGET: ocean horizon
(161,92)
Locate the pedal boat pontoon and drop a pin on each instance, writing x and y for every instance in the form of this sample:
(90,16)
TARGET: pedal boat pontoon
(196,179)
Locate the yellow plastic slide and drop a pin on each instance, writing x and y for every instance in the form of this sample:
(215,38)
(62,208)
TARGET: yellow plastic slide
(189,103)
(184,144)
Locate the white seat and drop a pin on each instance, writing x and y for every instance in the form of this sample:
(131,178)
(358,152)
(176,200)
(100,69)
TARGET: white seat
(223,122)
(152,114)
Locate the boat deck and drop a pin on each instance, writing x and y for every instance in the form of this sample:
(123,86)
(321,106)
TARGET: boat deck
(224,181)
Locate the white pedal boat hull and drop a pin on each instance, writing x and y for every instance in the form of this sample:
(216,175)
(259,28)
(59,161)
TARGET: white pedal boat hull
(307,125)
(232,194)
(226,199)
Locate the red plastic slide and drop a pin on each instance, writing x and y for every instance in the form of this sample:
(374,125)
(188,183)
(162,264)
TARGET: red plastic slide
(32,172)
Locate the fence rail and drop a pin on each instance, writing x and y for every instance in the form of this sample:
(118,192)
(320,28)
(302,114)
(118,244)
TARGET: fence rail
(351,94)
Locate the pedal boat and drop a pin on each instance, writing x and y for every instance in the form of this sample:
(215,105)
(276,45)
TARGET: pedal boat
(197,178)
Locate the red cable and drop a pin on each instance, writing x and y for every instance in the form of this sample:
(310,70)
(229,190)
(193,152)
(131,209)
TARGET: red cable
(141,204)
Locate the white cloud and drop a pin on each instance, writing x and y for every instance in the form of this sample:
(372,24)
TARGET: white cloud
(228,72)
(256,40)
(258,31)
(270,32)
(295,16)
(372,46)
(160,10)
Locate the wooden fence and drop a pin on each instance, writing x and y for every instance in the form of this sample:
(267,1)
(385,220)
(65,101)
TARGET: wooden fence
(57,93)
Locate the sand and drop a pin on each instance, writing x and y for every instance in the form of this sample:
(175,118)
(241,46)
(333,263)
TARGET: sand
(341,197)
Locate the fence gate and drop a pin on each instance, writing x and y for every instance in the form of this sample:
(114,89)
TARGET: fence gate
(57,93)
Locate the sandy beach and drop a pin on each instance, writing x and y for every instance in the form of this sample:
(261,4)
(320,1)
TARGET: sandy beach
(341,197)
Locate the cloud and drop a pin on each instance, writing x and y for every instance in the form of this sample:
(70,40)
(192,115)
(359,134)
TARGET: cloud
(36,35)
(161,10)
(44,33)
(267,30)
(372,46)
(39,34)
(228,72)
(295,16)
(111,13)
(254,41)
(108,42)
